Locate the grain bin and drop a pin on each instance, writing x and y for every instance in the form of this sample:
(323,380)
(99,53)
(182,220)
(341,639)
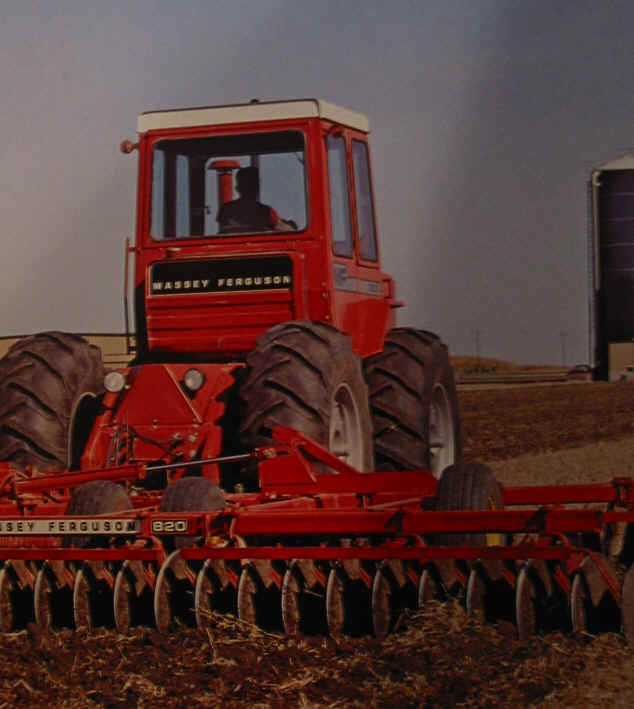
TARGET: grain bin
(611,272)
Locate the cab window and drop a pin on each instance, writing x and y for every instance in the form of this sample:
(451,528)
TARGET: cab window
(339,203)
(255,182)
(363,195)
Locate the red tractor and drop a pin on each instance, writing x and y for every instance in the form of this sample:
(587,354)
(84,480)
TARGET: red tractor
(227,468)
(259,302)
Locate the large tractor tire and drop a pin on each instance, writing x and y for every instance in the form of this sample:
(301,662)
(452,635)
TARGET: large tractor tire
(413,402)
(305,375)
(44,380)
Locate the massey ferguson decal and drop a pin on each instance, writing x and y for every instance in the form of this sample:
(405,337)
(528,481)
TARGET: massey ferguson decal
(41,525)
(176,277)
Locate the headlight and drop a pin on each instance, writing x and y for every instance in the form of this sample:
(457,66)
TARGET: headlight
(194,379)
(114,382)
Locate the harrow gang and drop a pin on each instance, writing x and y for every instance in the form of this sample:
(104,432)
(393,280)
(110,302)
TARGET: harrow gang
(333,550)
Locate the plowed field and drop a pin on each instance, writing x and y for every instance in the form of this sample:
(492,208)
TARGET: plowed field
(510,421)
(560,433)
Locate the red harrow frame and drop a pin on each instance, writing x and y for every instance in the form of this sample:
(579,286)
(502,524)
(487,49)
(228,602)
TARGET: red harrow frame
(319,548)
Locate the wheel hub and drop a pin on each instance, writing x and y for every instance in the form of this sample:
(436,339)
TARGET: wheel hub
(345,438)
(442,439)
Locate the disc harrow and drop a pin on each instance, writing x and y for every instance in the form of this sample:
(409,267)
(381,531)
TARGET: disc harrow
(319,548)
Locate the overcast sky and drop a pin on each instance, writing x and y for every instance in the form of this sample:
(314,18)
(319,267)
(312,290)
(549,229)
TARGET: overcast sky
(486,119)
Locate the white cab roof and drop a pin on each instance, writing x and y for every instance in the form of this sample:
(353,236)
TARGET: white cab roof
(249,112)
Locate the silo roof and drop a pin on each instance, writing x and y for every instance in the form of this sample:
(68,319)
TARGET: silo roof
(626,162)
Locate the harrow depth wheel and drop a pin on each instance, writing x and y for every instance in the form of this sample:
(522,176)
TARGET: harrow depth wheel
(191,494)
(96,498)
(468,486)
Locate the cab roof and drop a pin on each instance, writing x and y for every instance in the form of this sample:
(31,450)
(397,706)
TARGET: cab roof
(252,112)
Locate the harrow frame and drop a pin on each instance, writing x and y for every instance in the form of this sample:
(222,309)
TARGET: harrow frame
(316,529)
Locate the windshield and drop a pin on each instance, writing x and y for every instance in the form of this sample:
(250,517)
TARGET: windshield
(226,185)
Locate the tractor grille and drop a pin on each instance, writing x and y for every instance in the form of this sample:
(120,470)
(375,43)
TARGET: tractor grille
(209,306)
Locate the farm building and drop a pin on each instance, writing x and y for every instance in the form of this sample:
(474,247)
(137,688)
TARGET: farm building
(113,347)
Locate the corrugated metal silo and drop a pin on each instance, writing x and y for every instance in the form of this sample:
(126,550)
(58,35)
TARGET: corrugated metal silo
(612,268)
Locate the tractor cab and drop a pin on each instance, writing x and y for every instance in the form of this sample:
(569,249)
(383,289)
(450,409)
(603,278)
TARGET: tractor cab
(260,303)
(250,216)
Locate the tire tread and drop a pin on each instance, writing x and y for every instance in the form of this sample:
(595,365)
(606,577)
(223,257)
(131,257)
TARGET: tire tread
(41,377)
(400,380)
